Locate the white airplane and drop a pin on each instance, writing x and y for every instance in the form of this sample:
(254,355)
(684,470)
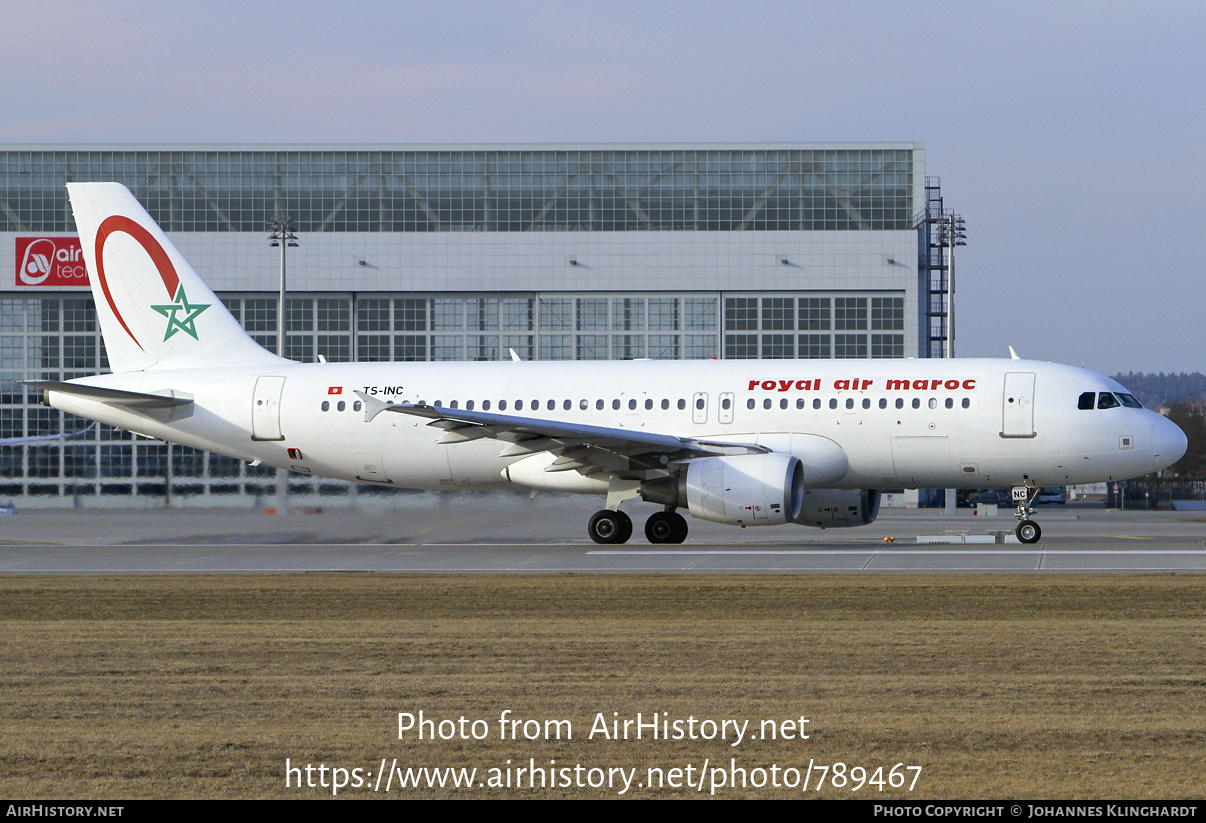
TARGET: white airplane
(743,442)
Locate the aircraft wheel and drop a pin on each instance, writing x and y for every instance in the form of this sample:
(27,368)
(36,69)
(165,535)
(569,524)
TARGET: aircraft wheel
(625,527)
(666,527)
(609,526)
(1028,531)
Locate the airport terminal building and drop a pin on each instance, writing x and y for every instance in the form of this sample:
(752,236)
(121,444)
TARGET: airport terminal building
(458,252)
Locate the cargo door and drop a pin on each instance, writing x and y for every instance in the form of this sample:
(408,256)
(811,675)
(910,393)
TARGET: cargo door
(370,467)
(922,461)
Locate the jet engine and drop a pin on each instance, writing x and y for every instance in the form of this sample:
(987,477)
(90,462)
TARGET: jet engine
(838,508)
(741,490)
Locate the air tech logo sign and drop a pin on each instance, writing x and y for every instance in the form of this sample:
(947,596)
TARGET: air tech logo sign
(181,315)
(50,261)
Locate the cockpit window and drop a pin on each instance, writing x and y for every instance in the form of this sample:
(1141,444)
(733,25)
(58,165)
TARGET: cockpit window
(1087,399)
(1129,400)
(1106,400)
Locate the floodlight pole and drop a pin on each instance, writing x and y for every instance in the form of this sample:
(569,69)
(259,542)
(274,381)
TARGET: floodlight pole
(951,234)
(283,236)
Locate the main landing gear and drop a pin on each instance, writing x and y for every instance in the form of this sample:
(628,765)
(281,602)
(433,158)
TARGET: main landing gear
(609,526)
(612,527)
(666,527)
(1027,531)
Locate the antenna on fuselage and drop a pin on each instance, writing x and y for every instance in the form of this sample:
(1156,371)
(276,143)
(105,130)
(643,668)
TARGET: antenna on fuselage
(1013,355)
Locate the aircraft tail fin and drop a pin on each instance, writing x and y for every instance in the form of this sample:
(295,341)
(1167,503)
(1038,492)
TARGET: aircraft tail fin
(154,309)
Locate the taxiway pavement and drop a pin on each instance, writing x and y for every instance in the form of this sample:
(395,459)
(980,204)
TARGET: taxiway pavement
(487,533)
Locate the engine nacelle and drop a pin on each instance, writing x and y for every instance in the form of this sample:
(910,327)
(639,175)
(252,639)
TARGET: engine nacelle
(742,490)
(838,508)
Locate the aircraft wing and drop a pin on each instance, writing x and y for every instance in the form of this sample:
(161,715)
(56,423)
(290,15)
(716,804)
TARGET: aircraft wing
(586,449)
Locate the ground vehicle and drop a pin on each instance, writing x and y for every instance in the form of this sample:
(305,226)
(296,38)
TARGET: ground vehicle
(1052,494)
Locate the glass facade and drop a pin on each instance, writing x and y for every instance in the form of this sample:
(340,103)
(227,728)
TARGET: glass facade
(56,338)
(512,190)
(746,310)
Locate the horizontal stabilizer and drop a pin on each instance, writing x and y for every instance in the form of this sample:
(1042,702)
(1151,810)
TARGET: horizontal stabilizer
(43,438)
(170,399)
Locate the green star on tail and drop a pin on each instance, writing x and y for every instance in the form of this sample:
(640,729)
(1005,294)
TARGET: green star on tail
(187,324)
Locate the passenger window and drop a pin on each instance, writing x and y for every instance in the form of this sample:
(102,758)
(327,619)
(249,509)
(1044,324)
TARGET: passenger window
(950,402)
(726,403)
(1105,400)
(357,406)
(454,404)
(900,402)
(800,403)
(631,405)
(850,402)
(933,402)
(766,404)
(485,405)
(599,404)
(1086,400)
(340,406)
(682,404)
(648,405)
(665,404)
(783,403)
(699,403)
(749,404)
(883,402)
(518,405)
(615,404)
(816,403)
(469,405)
(502,405)
(326,405)
(833,403)
(917,402)
(866,402)
(966,403)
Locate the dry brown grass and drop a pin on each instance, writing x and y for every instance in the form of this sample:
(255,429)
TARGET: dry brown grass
(1012,687)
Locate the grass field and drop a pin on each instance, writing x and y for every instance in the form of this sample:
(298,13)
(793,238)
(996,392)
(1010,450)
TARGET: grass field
(996,686)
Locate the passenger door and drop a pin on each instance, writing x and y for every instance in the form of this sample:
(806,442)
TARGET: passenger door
(1017,405)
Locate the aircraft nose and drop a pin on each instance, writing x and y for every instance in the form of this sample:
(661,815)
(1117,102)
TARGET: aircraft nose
(1168,442)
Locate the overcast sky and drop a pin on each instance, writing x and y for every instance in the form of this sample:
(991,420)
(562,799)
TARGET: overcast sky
(1071,136)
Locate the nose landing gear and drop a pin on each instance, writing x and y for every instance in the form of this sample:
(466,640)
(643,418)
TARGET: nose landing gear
(1027,531)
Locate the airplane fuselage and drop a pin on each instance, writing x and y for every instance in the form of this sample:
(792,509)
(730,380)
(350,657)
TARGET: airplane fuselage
(895,423)
(741,442)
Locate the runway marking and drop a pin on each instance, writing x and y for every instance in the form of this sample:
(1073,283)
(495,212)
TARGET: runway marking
(889,552)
